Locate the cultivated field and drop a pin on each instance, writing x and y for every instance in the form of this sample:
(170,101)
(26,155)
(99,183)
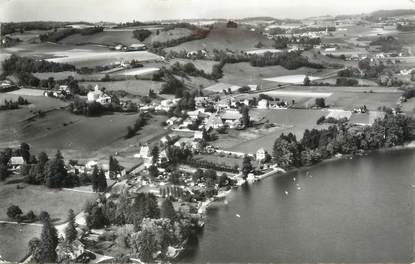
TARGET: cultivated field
(372,101)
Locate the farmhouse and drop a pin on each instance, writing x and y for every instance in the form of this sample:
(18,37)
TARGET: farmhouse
(98,96)
(261,154)
(263,104)
(214,121)
(16,162)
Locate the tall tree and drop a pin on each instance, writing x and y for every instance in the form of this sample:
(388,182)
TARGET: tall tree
(246,120)
(155,153)
(167,210)
(48,242)
(70,230)
(56,171)
(246,166)
(114,167)
(25,152)
(101,181)
(94,179)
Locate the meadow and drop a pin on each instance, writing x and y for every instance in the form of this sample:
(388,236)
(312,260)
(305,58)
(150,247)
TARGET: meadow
(135,87)
(223,38)
(286,121)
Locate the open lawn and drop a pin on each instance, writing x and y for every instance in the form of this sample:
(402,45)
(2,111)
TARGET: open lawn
(40,198)
(135,87)
(223,38)
(286,121)
(14,240)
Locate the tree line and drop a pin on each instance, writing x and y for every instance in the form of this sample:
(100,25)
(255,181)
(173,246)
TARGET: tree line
(317,145)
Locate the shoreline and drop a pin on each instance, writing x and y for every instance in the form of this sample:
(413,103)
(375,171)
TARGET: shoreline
(277,171)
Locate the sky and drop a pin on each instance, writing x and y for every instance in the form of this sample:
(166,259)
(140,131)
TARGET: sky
(145,10)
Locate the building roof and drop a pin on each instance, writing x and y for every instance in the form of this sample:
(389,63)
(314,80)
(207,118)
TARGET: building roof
(231,115)
(17,160)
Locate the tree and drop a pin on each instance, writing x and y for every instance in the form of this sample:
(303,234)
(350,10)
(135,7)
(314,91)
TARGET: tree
(114,167)
(34,249)
(246,166)
(307,81)
(70,230)
(147,245)
(56,172)
(245,116)
(153,171)
(155,152)
(4,172)
(99,182)
(167,210)
(48,242)
(320,102)
(14,212)
(25,152)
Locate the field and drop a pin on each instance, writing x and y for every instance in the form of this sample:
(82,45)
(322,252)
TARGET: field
(164,36)
(84,56)
(135,87)
(286,121)
(243,73)
(40,198)
(373,101)
(14,240)
(137,71)
(205,65)
(223,38)
(107,38)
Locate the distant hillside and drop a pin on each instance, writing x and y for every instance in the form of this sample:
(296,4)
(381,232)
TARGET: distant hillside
(391,13)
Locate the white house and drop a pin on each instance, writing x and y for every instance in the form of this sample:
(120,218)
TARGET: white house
(261,154)
(263,104)
(214,121)
(98,96)
(198,135)
(16,162)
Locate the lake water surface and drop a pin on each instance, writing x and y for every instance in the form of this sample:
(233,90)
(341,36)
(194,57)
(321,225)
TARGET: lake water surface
(353,210)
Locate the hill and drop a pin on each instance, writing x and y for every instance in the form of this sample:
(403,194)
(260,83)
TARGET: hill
(391,13)
(223,38)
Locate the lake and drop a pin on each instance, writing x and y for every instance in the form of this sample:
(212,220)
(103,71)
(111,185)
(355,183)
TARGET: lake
(350,210)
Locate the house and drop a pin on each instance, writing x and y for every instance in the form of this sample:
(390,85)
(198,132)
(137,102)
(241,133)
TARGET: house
(231,115)
(16,162)
(166,105)
(6,86)
(144,152)
(263,104)
(214,121)
(198,135)
(119,47)
(172,120)
(261,154)
(98,96)
(194,114)
(91,164)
